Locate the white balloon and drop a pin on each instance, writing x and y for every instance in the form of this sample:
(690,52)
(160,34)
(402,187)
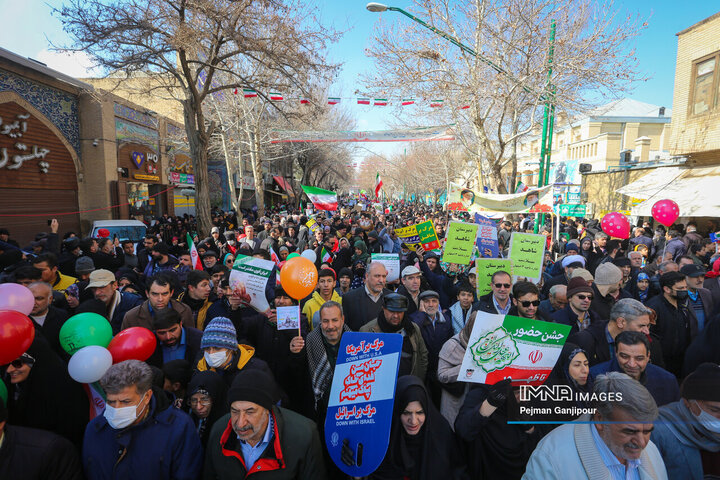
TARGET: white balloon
(89,364)
(310,255)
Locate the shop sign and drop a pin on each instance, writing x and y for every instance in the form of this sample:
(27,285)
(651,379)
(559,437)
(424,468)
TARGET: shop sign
(571,210)
(23,152)
(248,183)
(150,178)
(176,177)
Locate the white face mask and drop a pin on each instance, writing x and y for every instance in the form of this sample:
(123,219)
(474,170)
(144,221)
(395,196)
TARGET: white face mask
(215,359)
(708,421)
(119,418)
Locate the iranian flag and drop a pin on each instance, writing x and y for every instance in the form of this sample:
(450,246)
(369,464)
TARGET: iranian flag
(194,255)
(436,103)
(274,256)
(521,187)
(378,185)
(363,101)
(321,199)
(333,100)
(249,93)
(408,101)
(276,96)
(304,100)
(380,102)
(325,256)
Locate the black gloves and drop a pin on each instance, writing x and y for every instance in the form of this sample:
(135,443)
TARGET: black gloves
(498,393)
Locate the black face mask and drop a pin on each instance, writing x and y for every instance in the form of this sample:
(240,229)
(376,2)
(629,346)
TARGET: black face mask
(681,295)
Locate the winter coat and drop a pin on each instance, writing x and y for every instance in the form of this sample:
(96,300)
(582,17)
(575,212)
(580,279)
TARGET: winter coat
(128,301)
(193,337)
(661,384)
(359,309)
(163,446)
(420,354)
(593,340)
(441,283)
(569,451)
(676,247)
(312,307)
(453,393)
(434,336)
(567,317)
(33,454)
(295,453)
(243,357)
(140,316)
(676,327)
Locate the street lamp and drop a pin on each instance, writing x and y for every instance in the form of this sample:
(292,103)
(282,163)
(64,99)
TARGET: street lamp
(376,7)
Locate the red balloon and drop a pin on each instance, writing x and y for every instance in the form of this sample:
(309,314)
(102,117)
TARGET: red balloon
(616,225)
(665,211)
(134,343)
(103,233)
(16,335)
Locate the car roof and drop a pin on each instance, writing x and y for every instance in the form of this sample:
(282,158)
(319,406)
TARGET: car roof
(117,223)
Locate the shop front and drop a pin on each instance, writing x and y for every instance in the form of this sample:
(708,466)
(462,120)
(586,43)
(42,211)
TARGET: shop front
(139,183)
(182,177)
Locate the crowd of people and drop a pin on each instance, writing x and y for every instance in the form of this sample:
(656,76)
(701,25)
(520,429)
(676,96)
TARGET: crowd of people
(227,394)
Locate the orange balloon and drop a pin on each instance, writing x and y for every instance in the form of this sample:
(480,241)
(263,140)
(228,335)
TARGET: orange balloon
(299,277)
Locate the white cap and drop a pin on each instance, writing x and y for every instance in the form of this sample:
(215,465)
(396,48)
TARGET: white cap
(473,271)
(573,259)
(410,270)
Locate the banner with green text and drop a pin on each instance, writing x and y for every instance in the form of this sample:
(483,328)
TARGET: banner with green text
(527,251)
(485,268)
(460,242)
(422,234)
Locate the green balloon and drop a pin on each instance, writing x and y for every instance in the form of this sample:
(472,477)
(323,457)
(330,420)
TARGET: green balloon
(3,392)
(83,330)
(293,255)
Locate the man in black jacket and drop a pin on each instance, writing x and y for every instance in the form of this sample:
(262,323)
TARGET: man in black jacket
(676,324)
(46,318)
(32,454)
(526,302)
(498,300)
(174,342)
(362,305)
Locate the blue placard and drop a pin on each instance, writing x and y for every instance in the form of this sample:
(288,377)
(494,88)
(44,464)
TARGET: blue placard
(361,402)
(487,240)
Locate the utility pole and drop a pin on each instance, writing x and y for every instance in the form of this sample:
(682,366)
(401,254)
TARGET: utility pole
(548,125)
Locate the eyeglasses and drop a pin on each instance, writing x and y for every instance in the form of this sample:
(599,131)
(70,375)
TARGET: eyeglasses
(502,285)
(527,303)
(585,297)
(25,359)
(205,402)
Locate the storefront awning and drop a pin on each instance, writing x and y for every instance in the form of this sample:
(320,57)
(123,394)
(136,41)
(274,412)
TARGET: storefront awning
(284,184)
(693,189)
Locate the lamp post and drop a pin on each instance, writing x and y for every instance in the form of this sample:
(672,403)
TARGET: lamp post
(548,96)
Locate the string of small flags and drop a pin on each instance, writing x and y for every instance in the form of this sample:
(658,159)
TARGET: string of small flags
(375,102)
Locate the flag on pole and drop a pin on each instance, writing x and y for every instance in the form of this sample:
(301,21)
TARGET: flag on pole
(333,100)
(378,184)
(274,256)
(194,255)
(325,256)
(321,199)
(276,96)
(363,101)
(521,187)
(249,93)
(408,101)
(380,102)
(436,103)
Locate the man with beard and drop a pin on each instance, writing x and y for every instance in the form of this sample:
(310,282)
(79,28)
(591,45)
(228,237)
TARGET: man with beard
(104,287)
(174,342)
(526,302)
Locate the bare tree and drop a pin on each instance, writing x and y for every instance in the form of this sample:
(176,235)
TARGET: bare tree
(183,46)
(491,109)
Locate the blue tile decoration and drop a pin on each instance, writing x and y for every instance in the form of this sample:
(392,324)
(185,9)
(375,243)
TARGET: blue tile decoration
(127,132)
(135,116)
(61,108)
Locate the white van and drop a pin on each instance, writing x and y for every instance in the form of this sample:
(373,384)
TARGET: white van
(133,230)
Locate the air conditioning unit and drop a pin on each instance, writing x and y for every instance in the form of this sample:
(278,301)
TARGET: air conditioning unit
(585,168)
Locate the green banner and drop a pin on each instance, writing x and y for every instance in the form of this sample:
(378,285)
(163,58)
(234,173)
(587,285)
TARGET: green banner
(460,242)
(485,268)
(569,210)
(527,251)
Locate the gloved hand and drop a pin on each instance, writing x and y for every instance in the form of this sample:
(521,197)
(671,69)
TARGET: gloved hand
(347,455)
(498,393)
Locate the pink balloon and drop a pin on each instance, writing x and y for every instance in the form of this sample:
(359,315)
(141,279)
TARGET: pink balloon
(616,225)
(17,298)
(665,211)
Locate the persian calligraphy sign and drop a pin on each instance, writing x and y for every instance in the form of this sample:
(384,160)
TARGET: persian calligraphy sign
(527,251)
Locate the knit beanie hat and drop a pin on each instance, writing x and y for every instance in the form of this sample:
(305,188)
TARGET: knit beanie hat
(253,385)
(220,333)
(582,273)
(607,274)
(703,383)
(578,285)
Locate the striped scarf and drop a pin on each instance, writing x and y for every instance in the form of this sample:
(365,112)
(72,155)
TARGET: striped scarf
(321,372)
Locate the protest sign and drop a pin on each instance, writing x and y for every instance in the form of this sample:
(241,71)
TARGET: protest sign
(503,346)
(423,234)
(531,201)
(487,240)
(361,402)
(460,242)
(288,318)
(527,251)
(248,278)
(484,270)
(312,225)
(391,262)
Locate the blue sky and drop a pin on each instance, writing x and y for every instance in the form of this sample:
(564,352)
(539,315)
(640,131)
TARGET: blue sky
(29,25)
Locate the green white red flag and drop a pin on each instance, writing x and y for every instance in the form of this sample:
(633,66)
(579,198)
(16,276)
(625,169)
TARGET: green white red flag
(274,256)
(436,103)
(325,256)
(249,93)
(321,199)
(304,100)
(363,101)
(408,101)
(194,255)
(333,100)
(378,185)
(380,102)
(275,96)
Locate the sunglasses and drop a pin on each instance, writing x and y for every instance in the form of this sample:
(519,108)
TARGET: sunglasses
(527,303)
(25,359)
(585,297)
(502,285)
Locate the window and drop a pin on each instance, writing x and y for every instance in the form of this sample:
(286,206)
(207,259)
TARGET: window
(704,94)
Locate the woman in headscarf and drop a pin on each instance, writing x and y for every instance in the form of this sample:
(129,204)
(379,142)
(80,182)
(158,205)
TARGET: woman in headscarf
(642,287)
(343,257)
(361,252)
(42,395)
(206,402)
(449,362)
(358,269)
(587,250)
(422,445)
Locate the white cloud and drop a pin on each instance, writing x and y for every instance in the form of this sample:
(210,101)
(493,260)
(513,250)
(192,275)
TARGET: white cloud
(74,64)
